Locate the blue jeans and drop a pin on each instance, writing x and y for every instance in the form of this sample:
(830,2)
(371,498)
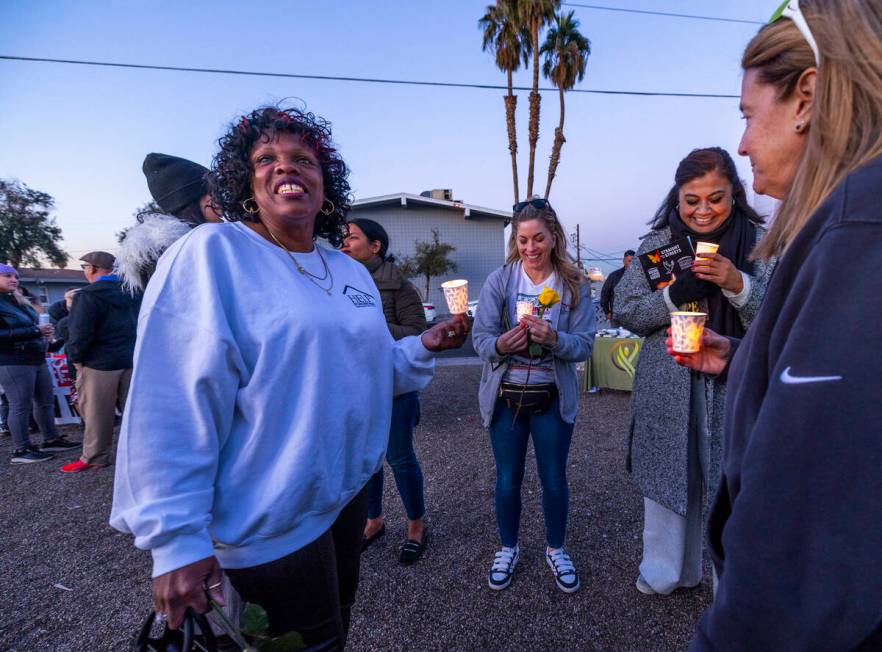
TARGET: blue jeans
(29,391)
(402,459)
(551,442)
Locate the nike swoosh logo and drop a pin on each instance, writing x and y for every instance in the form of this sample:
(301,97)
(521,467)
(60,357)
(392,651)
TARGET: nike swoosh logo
(789,379)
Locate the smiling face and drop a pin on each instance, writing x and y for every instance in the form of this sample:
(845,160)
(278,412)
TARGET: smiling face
(535,244)
(287,181)
(8,282)
(356,244)
(771,138)
(706,202)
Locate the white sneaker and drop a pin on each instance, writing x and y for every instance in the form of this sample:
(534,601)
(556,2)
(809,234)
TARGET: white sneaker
(503,567)
(565,574)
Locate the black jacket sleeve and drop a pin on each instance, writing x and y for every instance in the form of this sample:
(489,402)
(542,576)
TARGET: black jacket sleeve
(606,292)
(81,326)
(803,541)
(18,333)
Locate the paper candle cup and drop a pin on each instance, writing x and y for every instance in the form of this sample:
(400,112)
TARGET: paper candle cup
(686,331)
(457,295)
(706,248)
(523,308)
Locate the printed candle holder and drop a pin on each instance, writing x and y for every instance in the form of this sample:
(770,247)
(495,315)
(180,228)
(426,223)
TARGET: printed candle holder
(456,293)
(524,308)
(706,248)
(686,331)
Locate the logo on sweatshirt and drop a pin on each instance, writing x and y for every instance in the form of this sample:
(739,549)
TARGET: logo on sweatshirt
(790,379)
(359,298)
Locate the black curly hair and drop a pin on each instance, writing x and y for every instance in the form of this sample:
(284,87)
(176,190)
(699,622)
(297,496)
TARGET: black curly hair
(231,173)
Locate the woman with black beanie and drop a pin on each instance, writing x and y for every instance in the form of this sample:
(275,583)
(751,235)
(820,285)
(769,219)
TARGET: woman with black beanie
(368,242)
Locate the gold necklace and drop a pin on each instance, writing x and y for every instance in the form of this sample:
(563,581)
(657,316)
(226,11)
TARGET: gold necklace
(300,268)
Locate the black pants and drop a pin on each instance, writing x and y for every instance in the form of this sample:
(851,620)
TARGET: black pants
(312,590)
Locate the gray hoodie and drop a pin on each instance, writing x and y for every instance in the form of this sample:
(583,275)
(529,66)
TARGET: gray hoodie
(575,339)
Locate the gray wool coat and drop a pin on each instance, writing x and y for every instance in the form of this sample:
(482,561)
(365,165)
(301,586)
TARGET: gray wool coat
(658,438)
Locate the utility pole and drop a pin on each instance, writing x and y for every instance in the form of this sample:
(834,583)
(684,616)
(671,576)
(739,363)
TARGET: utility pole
(579,250)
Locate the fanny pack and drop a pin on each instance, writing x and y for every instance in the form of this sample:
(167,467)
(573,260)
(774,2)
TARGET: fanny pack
(527,399)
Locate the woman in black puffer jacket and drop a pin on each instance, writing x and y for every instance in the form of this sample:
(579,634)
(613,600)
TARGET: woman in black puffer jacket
(24,374)
(368,243)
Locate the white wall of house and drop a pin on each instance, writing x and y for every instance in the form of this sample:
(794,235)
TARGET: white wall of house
(478,240)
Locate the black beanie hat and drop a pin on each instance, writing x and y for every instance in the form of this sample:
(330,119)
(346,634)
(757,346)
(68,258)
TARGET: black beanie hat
(174,182)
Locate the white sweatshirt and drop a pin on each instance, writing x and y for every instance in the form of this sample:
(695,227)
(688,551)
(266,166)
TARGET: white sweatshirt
(259,405)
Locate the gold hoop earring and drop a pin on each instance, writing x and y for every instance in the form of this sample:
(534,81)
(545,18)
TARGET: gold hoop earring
(248,210)
(330,210)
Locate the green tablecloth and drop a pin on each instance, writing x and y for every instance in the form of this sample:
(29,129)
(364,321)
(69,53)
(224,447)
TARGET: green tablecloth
(613,363)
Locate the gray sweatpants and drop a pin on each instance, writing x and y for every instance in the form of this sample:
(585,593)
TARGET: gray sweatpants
(672,544)
(28,387)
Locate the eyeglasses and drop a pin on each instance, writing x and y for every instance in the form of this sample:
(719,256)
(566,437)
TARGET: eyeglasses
(85,265)
(535,203)
(790,9)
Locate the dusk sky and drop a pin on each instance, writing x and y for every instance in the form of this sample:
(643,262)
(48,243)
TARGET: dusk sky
(80,133)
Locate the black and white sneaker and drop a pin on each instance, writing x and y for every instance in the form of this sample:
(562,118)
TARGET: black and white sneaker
(28,456)
(564,572)
(503,567)
(60,444)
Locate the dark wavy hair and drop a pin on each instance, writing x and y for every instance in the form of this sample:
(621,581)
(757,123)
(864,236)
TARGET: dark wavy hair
(231,173)
(698,163)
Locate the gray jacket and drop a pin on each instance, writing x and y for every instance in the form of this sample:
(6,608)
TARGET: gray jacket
(575,339)
(658,440)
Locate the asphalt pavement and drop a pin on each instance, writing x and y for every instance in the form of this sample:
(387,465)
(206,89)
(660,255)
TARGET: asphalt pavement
(70,582)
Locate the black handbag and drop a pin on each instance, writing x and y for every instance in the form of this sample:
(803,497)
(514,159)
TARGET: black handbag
(195,635)
(527,399)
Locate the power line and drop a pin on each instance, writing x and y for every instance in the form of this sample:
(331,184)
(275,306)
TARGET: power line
(369,80)
(664,13)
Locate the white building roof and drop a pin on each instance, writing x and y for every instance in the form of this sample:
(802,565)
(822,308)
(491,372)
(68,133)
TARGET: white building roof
(470,211)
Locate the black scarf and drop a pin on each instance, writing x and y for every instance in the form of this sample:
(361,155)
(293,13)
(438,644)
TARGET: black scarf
(736,237)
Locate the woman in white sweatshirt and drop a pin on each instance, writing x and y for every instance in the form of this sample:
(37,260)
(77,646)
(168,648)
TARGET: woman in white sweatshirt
(261,395)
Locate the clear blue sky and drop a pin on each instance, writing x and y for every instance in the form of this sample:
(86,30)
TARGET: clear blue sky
(81,133)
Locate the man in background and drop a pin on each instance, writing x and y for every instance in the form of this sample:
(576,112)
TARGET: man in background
(101,342)
(607,293)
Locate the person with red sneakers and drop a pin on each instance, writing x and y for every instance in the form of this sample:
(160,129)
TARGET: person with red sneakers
(102,324)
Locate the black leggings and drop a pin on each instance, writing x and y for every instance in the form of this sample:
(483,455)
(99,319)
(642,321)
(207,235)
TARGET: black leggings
(312,590)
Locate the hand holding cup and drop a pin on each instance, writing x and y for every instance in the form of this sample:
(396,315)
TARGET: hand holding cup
(711,358)
(513,341)
(449,334)
(541,331)
(719,270)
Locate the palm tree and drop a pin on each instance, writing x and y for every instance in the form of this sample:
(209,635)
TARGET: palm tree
(507,39)
(534,15)
(566,57)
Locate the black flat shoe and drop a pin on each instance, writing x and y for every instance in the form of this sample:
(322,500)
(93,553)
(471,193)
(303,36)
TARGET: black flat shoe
(412,550)
(367,541)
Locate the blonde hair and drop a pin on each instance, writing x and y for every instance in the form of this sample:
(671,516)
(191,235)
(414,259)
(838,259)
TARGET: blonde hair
(565,268)
(845,129)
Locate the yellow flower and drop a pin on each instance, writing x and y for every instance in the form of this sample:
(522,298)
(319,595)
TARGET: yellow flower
(548,297)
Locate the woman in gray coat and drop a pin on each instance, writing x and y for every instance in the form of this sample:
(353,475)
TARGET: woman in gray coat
(677,416)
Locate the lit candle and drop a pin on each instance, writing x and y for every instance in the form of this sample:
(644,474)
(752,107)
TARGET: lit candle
(686,331)
(457,295)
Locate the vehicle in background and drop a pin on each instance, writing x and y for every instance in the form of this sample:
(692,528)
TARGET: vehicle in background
(430,312)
